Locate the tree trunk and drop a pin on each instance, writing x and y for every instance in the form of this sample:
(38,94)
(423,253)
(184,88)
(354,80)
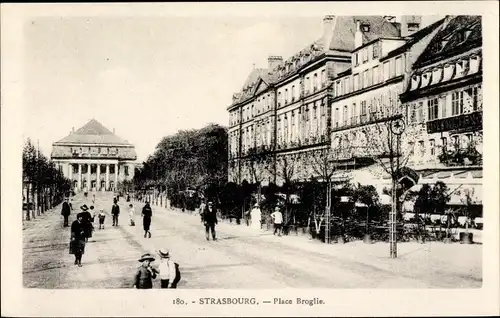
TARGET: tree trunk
(28,201)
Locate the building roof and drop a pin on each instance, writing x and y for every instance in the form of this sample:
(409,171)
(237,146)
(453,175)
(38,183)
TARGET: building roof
(345,29)
(93,132)
(447,41)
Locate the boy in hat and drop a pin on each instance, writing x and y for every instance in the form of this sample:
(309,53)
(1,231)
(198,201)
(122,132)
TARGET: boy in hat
(278,220)
(168,270)
(102,216)
(145,273)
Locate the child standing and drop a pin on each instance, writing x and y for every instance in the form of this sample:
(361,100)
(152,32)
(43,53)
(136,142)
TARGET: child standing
(145,273)
(131,214)
(168,270)
(102,216)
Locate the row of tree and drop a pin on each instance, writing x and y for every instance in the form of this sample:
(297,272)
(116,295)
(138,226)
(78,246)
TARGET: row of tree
(44,186)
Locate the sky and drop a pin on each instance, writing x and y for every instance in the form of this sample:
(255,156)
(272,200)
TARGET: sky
(145,77)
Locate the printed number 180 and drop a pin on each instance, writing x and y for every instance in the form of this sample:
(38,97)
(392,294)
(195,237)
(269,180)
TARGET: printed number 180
(178,301)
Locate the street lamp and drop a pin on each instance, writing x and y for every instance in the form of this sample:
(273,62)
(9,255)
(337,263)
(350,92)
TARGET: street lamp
(397,127)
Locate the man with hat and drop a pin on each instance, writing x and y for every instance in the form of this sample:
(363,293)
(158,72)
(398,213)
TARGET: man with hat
(145,273)
(168,270)
(66,211)
(115,211)
(86,221)
(277,220)
(210,219)
(77,243)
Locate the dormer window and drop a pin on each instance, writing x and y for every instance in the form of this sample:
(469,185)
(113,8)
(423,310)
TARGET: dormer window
(474,64)
(463,35)
(413,27)
(436,75)
(365,27)
(414,82)
(426,79)
(448,72)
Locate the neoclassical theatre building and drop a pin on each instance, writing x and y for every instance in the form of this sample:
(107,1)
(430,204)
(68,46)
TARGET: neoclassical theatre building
(94,158)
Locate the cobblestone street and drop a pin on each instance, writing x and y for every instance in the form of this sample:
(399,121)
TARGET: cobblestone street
(241,258)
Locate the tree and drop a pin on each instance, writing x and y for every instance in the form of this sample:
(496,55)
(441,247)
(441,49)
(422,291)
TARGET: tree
(285,170)
(368,196)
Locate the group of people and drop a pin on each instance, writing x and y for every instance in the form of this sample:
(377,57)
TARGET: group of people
(83,227)
(256,219)
(168,270)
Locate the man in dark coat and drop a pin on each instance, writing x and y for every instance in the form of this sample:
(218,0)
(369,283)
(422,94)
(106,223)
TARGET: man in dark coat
(66,211)
(147,214)
(77,243)
(210,220)
(115,211)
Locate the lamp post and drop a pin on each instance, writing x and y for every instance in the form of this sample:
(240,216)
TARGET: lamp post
(397,127)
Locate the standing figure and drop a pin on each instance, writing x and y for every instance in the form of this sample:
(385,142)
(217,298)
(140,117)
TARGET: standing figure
(131,214)
(115,211)
(87,221)
(146,214)
(77,243)
(66,211)
(255,217)
(210,219)
(169,271)
(145,273)
(202,208)
(102,217)
(277,220)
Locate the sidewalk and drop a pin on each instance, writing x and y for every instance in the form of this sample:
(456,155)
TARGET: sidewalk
(454,265)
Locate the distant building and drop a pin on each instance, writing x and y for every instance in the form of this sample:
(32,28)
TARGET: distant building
(94,158)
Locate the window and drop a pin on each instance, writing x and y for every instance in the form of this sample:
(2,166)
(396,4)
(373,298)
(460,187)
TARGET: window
(365,79)
(369,80)
(363,112)
(413,27)
(347,86)
(315,84)
(457,103)
(421,147)
(337,117)
(433,109)
(432,147)
(421,112)
(306,85)
(355,83)
(456,141)
(376,75)
(470,140)
(365,55)
(375,50)
(253,114)
(413,113)
(392,66)
(339,88)
(386,71)
(99,150)
(293,93)
(354,114)
(474,97)
(125,170)
(356,58)
(286,96)
(345,115)
(323,77)
(399,66)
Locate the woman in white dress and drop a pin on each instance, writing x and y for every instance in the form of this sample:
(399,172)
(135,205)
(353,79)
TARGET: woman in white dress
(255,216)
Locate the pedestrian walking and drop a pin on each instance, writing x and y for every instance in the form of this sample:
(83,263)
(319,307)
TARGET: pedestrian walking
(210,220)
(170,274)
(87,218)
(147,214)
(115,212)
(66,211)
(145,273)
(77,243)
(102,217)
(131,214)
(255,217)
(277,220)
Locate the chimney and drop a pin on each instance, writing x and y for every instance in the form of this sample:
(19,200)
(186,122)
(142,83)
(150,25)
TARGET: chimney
(410,24)
(328,25)
(274,61)
(358,36)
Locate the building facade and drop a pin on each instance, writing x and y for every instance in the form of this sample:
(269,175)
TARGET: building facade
(94,158)
(284,112)
(444,107)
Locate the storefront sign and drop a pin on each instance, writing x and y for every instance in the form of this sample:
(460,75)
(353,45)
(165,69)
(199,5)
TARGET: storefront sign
(473,121)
